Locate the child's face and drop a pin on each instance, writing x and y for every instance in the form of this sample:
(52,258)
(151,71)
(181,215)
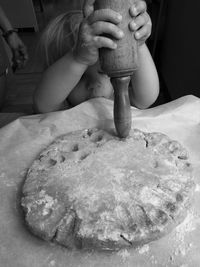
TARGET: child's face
(94,84)
(98,82)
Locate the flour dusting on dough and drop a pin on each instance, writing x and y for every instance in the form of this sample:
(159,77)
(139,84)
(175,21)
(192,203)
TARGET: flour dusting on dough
(144,249)
(124,254)
(181,245)
(52,263)
(48,202)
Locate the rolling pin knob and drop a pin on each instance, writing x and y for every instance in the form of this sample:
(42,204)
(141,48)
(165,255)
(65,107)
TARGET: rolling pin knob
(122,108)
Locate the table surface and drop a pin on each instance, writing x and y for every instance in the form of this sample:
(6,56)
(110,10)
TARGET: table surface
(6,118)
(23,139)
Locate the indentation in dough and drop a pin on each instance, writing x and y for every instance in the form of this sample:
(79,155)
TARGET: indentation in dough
(96,138)
(75,148)
(147,143)
(184,157)
(161,216)
(84,155)
(90,132)
(147,219)
(179,197)
(171,207)
(155,164)
(41,157)
(133,227)
(52,162)
(62,158)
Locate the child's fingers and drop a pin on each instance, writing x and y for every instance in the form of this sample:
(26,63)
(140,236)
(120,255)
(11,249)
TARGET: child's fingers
(139,6)
(139,21)
(100,41)
(105,15)
(102,27)
(143,33)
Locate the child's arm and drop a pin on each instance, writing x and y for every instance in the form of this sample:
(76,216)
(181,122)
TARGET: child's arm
(56,84)
(145,82)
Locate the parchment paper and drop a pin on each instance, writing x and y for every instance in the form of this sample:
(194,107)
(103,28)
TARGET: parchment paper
(22,140)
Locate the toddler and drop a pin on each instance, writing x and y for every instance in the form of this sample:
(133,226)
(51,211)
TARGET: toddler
(70,45)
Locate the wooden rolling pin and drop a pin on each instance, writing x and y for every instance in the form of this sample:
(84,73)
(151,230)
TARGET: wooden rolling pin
(120,64)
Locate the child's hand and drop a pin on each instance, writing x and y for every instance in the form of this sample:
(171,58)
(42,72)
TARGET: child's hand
(94,25)
(141,22)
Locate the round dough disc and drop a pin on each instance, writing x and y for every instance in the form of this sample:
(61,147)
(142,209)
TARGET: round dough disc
(90,189)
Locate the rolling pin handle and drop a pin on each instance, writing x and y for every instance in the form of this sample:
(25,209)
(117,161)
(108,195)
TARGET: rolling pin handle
(122,107)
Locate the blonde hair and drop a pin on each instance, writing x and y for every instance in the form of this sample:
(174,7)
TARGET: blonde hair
(59,36)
